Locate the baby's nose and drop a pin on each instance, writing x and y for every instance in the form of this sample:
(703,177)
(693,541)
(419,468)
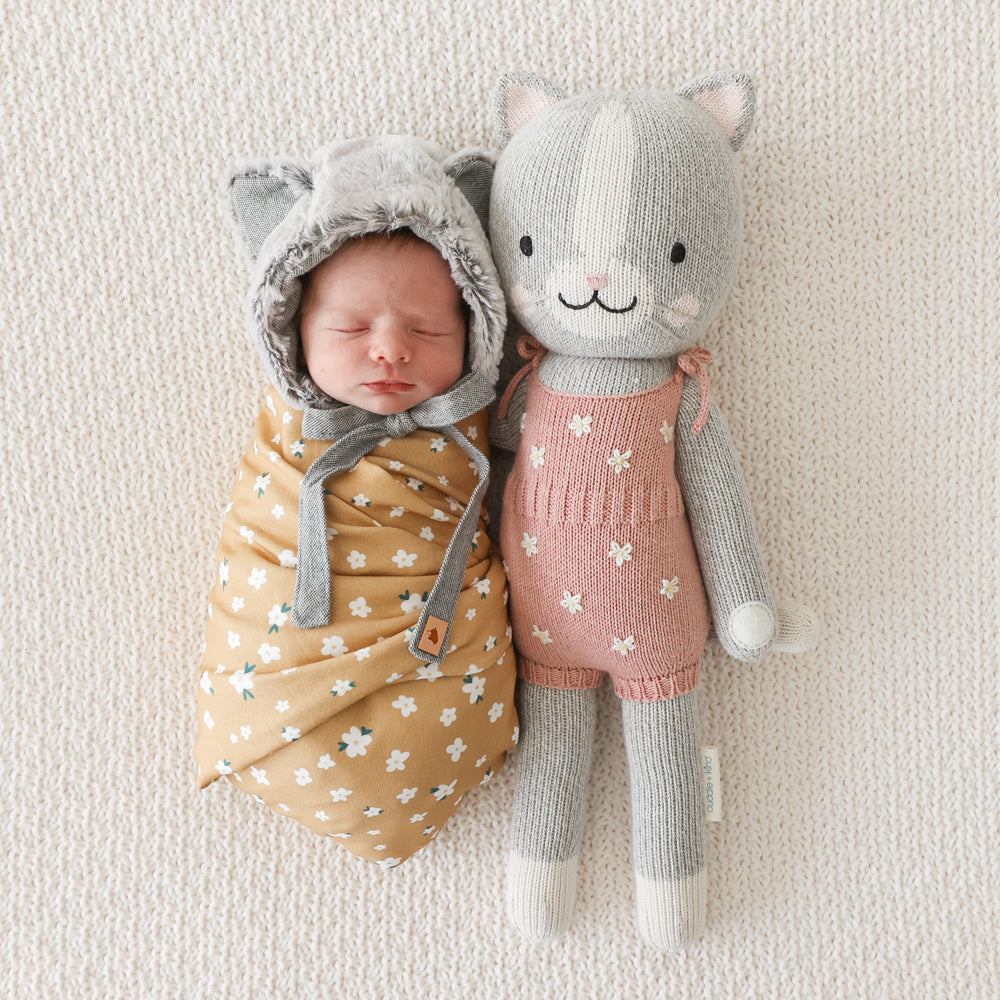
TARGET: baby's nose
(596,281)
(390,346)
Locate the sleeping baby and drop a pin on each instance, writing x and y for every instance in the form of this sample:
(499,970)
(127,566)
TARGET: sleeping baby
(358,675)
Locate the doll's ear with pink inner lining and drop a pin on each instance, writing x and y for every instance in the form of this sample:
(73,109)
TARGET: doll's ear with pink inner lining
(730,99)
(517,98)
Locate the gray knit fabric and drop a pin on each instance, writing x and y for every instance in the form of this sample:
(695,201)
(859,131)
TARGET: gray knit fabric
(615,224)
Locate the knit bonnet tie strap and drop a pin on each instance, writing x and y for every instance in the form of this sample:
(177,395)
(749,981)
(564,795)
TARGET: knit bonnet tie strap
(528,348)
(356,432)
(695,363)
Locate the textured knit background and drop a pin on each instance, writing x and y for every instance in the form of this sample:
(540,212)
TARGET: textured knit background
(858,362)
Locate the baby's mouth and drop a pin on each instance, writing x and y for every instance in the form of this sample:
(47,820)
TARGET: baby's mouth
(388,385)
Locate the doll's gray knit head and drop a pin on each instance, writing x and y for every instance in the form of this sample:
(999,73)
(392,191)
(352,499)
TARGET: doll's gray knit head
(293,215)
(616,217)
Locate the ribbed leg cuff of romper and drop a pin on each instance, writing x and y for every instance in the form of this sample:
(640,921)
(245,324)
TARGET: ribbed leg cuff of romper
(569,679)
(670,913)
(540,896)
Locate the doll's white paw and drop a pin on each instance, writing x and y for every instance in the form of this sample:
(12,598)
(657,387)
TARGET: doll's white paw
(540,896)
(753,625)
(798,629)
(670,913)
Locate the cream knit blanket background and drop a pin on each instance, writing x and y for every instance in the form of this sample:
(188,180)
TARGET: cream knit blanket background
(857,364)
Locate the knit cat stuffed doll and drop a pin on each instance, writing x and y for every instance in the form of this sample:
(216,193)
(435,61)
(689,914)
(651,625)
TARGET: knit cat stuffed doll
(627,530)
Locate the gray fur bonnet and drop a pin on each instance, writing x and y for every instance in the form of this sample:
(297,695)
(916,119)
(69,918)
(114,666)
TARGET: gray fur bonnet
(293,215)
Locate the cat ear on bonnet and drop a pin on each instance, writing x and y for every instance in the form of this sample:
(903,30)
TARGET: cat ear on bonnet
(517,98)
(472,172)
(729,98)
(263,194)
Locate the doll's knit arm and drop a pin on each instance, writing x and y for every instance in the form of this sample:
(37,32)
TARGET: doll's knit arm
(722,523)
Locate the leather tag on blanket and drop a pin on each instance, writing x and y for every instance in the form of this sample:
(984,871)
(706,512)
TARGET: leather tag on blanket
(433,637)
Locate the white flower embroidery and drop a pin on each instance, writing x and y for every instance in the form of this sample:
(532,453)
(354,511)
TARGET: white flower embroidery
(438,444)
(542,635)
(396,466)
(247,534)
(259,775)
(571,602)
(405,705)
(580,425)
(333,646)
(290,734)
(529,544)
(397,512)
(456,750)
(341,687)
(404,559)
(448,716)
(361,500)
(621,553)
(258,578)
(261,483)
(281,707)
(288,559)
(620,460)
(624,646)
(439,515)
(470,614)
(277,512)
(363,653)
(359,608)
(496,711)
(277,616)
(357,559)
(298,447)
(483,587)
(303,777)
(406,795)
(667,431)
(326,762)
(537,455)
(224,572)
(670,588)
(397,761)
(233,639)
(340,794)
(321,816)
(238,603)
(427,534)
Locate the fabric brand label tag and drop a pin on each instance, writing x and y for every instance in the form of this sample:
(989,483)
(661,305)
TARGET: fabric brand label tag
(433,637)
(711,786)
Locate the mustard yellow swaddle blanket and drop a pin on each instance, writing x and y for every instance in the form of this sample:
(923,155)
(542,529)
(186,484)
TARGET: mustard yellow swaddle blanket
(340,727)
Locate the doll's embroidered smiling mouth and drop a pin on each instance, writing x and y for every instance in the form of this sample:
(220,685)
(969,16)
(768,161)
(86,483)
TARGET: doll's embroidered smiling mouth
(594,298)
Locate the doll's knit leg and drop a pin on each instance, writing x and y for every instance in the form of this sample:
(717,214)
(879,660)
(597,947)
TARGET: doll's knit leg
(661,739)
(556,745)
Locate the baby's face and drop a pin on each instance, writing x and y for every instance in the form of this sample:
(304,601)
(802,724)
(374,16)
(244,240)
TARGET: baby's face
(382,324)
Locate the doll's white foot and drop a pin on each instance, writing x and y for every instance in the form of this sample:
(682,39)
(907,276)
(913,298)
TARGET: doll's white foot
(540,896)
(670,913)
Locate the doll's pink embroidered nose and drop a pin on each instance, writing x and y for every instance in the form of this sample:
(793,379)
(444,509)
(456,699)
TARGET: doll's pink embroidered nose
(596,281)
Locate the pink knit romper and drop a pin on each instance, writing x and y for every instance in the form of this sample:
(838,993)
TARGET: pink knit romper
(603,573)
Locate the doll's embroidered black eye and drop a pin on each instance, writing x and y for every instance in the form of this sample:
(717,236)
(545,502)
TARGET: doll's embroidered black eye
(527,247)
(677,253)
